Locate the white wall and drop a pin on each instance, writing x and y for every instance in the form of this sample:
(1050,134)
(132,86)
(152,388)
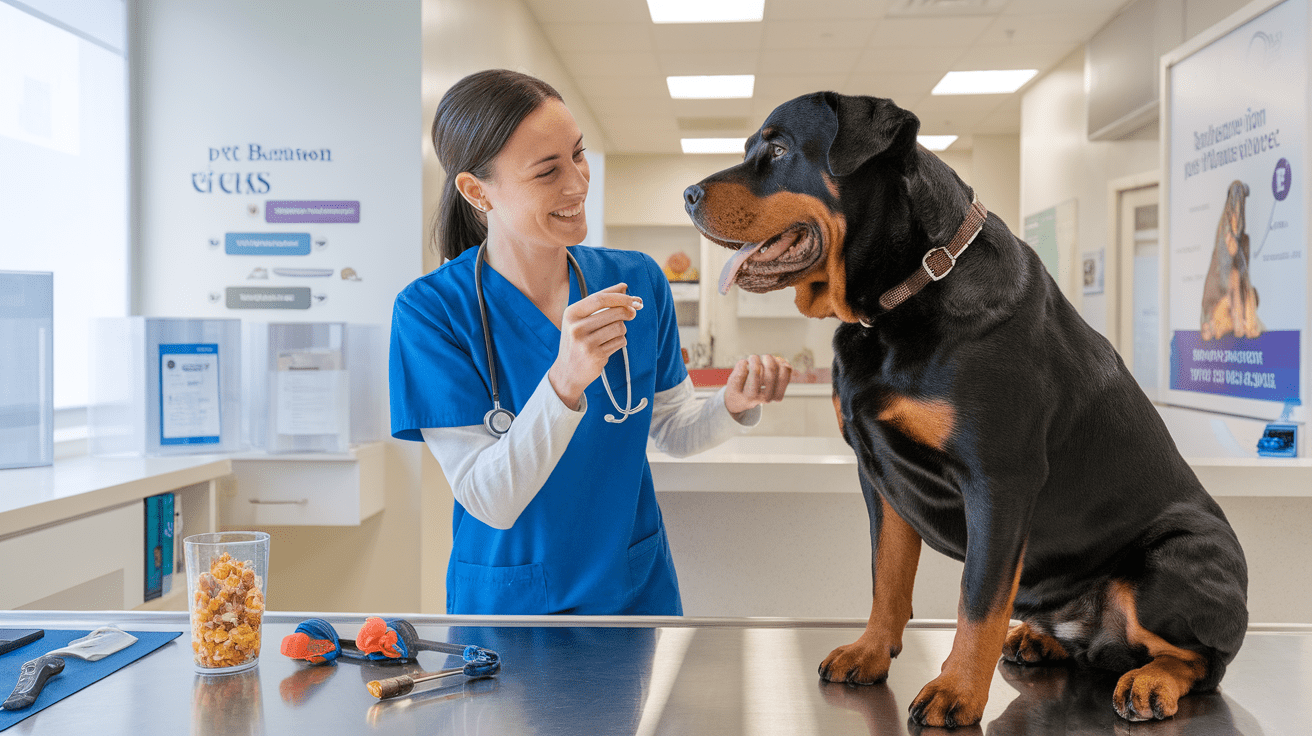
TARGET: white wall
(296,73)
(1058,162)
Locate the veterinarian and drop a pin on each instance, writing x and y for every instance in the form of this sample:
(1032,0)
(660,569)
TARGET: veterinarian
(555,509)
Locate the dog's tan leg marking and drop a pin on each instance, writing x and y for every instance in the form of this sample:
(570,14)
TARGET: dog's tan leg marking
(929,422)
(958,696)
(1253,325)
(838,412)
(1152,691)
(1236,297)
(1221,322)
(1027,645)
(866,660)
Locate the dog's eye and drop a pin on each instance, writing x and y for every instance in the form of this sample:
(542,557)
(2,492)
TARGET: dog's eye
(777,150)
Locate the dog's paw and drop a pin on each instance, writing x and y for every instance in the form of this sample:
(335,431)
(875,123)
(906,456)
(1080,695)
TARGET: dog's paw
(948,702)
(1026,645)
(863,662)
(1146,694)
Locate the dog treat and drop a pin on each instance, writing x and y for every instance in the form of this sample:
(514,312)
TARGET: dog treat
(226,613)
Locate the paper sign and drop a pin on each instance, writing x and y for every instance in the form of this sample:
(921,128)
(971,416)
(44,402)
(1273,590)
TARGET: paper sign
(189,394)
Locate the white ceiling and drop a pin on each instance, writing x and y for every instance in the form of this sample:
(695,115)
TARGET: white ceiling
(889,48)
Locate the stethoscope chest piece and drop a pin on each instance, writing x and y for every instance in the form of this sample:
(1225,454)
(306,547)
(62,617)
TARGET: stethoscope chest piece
(498,420)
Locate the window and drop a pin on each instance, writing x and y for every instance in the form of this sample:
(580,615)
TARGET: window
(64,165)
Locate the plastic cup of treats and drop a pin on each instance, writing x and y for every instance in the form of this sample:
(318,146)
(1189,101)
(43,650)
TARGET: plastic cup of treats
(226,575)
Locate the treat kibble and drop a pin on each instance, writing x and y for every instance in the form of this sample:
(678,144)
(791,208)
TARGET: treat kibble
(226,612)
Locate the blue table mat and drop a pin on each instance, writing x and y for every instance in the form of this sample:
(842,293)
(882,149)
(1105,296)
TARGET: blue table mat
(77,674)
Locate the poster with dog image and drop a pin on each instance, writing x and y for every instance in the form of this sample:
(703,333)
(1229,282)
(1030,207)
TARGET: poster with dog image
(1238,230)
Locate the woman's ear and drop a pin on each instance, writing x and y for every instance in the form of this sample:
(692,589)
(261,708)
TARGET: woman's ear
(472,190)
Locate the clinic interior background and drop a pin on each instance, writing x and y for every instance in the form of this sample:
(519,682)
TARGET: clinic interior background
(365,78)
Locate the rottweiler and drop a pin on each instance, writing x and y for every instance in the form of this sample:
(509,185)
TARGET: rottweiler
(989,421)
(1229,299)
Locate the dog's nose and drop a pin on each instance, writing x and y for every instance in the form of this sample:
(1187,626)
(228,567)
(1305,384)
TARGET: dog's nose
(692,195)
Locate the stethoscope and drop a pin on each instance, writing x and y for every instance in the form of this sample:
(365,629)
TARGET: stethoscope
(498,419)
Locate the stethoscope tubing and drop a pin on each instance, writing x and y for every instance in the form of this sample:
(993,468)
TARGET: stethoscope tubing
(498,419)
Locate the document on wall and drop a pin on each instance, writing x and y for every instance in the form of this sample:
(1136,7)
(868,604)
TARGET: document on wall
(313,392)
(189,394)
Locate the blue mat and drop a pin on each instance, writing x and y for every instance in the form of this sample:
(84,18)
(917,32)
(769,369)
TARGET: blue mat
(77,674)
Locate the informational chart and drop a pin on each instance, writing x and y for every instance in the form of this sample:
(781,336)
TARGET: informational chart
(1237,200)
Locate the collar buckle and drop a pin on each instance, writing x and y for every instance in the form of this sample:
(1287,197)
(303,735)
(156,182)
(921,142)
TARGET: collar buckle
(934,263)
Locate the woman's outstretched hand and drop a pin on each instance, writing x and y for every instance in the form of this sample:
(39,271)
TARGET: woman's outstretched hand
(755,380)
(591,330)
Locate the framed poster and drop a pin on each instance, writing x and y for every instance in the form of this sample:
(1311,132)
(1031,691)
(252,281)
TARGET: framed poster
(1235,267)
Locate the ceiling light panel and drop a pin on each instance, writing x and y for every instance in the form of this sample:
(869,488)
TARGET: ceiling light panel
(993,82)
(936,142)
(718,87)
(706,11)
(713,145)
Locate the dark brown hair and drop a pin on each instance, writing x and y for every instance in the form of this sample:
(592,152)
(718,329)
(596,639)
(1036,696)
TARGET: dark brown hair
(473,122)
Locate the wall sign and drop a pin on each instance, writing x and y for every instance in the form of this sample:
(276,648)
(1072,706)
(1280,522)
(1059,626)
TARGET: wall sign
(1237,199)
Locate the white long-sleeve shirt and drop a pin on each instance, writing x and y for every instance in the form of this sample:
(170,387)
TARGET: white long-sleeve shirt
(494,479)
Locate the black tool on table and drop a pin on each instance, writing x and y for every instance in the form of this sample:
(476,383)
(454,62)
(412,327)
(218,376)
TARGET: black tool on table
(11,639)
(30,681)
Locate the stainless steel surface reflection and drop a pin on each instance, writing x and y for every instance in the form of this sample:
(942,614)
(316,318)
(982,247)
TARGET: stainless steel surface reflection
(639,676)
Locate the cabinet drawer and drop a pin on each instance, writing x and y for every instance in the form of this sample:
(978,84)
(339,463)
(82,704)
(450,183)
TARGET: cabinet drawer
(336,491)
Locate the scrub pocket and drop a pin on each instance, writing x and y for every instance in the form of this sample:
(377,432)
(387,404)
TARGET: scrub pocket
(653,587)
(481,589)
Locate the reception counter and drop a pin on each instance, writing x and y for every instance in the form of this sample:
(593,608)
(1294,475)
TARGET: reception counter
(645,676)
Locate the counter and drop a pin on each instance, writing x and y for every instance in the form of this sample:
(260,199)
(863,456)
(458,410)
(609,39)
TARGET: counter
(646,676)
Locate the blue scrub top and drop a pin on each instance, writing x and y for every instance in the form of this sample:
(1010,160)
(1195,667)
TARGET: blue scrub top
(592,541)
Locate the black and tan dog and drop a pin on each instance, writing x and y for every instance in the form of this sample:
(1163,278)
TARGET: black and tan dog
(1229,299)
(989,420)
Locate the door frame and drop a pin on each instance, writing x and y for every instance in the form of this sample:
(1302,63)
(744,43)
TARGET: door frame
(1118,267)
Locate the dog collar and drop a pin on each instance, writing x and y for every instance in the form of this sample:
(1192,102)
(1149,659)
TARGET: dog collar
(938,262)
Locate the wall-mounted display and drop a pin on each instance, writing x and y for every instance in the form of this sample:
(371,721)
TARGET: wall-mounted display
(1236,227)
(162,386)
(27,396)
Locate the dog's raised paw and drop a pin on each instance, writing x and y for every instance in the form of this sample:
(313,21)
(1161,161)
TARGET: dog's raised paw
(858,663)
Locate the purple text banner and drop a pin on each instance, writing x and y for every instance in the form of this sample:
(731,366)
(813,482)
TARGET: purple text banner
(291,210)
(1264,367)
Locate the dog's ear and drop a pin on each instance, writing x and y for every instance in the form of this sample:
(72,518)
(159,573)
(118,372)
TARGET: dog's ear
(869,127)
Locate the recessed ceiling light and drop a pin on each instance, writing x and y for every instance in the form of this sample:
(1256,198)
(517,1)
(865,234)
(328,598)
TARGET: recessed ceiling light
(723,86)
(936,142)
(713,145)
(706,11)
(996,82)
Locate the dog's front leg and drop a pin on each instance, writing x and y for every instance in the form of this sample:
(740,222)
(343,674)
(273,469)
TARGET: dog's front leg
(994,553)
(896,554)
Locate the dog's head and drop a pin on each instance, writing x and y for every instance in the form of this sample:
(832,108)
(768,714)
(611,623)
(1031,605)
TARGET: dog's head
(782,208)
(1233,216)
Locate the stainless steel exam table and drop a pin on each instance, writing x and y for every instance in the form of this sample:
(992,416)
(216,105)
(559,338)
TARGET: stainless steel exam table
(642,675)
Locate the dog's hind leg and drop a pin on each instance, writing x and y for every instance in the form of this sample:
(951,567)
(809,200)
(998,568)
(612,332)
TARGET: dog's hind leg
(896,554)
(1184,611)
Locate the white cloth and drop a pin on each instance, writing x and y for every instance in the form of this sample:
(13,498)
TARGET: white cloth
(496,478)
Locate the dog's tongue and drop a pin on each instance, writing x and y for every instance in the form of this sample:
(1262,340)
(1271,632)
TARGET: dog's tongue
(730,271)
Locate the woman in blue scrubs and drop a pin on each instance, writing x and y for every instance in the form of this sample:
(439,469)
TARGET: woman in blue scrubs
(555,513)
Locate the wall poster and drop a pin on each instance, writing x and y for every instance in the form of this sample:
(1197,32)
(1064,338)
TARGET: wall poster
(1236,255)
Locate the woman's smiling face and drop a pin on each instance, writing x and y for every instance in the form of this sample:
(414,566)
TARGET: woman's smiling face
(539,181)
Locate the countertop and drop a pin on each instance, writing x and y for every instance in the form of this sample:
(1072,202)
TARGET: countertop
(646,676)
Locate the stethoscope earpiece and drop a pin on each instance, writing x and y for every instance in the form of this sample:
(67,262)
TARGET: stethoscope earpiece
(498,420)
